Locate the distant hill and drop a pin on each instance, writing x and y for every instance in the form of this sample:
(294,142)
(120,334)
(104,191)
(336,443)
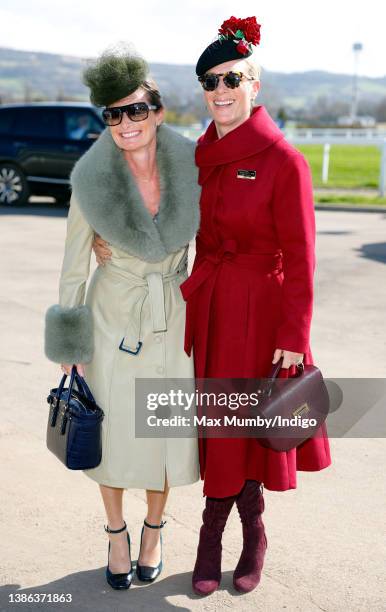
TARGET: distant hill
(31,75)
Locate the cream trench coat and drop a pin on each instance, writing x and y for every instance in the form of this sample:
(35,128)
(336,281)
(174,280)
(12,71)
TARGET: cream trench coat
(139,301)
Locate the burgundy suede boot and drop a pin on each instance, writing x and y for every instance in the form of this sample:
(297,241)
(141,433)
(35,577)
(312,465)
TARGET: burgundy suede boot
(207,570)
(250,504)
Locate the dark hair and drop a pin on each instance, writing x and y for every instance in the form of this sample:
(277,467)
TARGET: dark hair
(153,93)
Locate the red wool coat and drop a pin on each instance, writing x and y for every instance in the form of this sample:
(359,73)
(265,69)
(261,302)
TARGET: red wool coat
(251,287)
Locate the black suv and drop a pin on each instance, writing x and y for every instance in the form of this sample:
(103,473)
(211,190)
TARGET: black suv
(39,144)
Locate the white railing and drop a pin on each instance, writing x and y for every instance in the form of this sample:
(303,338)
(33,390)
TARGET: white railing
(342,134)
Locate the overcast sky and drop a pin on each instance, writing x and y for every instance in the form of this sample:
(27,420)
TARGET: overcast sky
(296,35)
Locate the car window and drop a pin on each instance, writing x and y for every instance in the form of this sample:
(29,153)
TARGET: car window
(37,122)
(6,117)
(79,123)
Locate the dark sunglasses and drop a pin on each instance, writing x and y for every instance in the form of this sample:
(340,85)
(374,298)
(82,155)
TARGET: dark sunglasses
(139,111)
(210,80)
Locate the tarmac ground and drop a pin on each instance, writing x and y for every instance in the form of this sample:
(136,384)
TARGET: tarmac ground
(326,539)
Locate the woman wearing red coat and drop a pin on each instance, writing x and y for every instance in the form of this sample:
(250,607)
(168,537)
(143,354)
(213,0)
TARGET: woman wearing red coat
(250,295)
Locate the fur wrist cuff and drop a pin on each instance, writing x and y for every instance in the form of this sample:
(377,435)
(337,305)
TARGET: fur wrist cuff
(69,334)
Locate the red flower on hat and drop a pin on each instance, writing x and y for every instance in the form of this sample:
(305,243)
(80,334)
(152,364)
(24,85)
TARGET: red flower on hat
(230,26)
(243,47)
(251,30)
(244,30)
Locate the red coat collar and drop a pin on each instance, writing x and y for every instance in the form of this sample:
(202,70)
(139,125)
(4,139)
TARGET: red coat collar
(251,137)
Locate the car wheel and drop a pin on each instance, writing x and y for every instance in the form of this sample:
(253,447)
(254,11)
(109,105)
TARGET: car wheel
(14,188)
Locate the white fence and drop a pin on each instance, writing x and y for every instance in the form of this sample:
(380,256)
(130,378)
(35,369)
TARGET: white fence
(327,138)
(345,134)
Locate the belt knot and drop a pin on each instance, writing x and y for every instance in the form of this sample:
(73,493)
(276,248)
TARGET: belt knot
(226,251)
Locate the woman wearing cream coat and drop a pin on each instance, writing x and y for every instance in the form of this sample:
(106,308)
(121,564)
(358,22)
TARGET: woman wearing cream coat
(137,188)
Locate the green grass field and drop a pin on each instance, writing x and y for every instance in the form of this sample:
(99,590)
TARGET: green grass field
(351,167)
(351,200)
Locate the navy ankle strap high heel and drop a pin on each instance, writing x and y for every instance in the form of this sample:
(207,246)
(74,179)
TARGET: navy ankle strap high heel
(123,580)
(146,573)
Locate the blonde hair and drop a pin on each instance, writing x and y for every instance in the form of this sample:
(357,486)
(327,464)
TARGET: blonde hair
(254,68)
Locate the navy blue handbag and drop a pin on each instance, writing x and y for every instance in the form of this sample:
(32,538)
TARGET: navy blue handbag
(74,429)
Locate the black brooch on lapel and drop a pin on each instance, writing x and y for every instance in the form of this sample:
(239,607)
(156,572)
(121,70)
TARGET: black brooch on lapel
(246,174)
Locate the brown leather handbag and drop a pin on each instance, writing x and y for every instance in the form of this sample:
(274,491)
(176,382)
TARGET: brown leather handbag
(298,399)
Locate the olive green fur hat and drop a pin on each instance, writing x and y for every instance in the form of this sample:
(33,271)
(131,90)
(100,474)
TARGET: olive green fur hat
(117,73)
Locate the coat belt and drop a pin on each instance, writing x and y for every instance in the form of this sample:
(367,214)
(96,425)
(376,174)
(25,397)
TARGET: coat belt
(207,269)
(149,287)
(227,253)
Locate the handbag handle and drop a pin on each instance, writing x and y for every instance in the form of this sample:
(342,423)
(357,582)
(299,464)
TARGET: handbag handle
(83,386)
(80,381)
(277,367)
(267,389)
(61,385)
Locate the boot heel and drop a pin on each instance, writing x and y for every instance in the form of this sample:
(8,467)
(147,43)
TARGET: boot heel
(250,504)
(206,576)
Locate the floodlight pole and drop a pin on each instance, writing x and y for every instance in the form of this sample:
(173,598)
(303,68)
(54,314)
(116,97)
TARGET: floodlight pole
(357,48)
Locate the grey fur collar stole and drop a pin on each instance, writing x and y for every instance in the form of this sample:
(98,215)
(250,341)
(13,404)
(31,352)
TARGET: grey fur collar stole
(111,203)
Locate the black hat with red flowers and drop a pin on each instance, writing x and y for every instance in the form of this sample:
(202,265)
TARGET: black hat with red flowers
(236,38)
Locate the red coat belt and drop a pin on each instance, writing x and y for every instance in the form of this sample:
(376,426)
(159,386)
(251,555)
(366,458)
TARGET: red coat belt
(206,270)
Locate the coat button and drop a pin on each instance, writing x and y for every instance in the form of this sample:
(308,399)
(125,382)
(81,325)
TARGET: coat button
(158,339)
(160,370)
